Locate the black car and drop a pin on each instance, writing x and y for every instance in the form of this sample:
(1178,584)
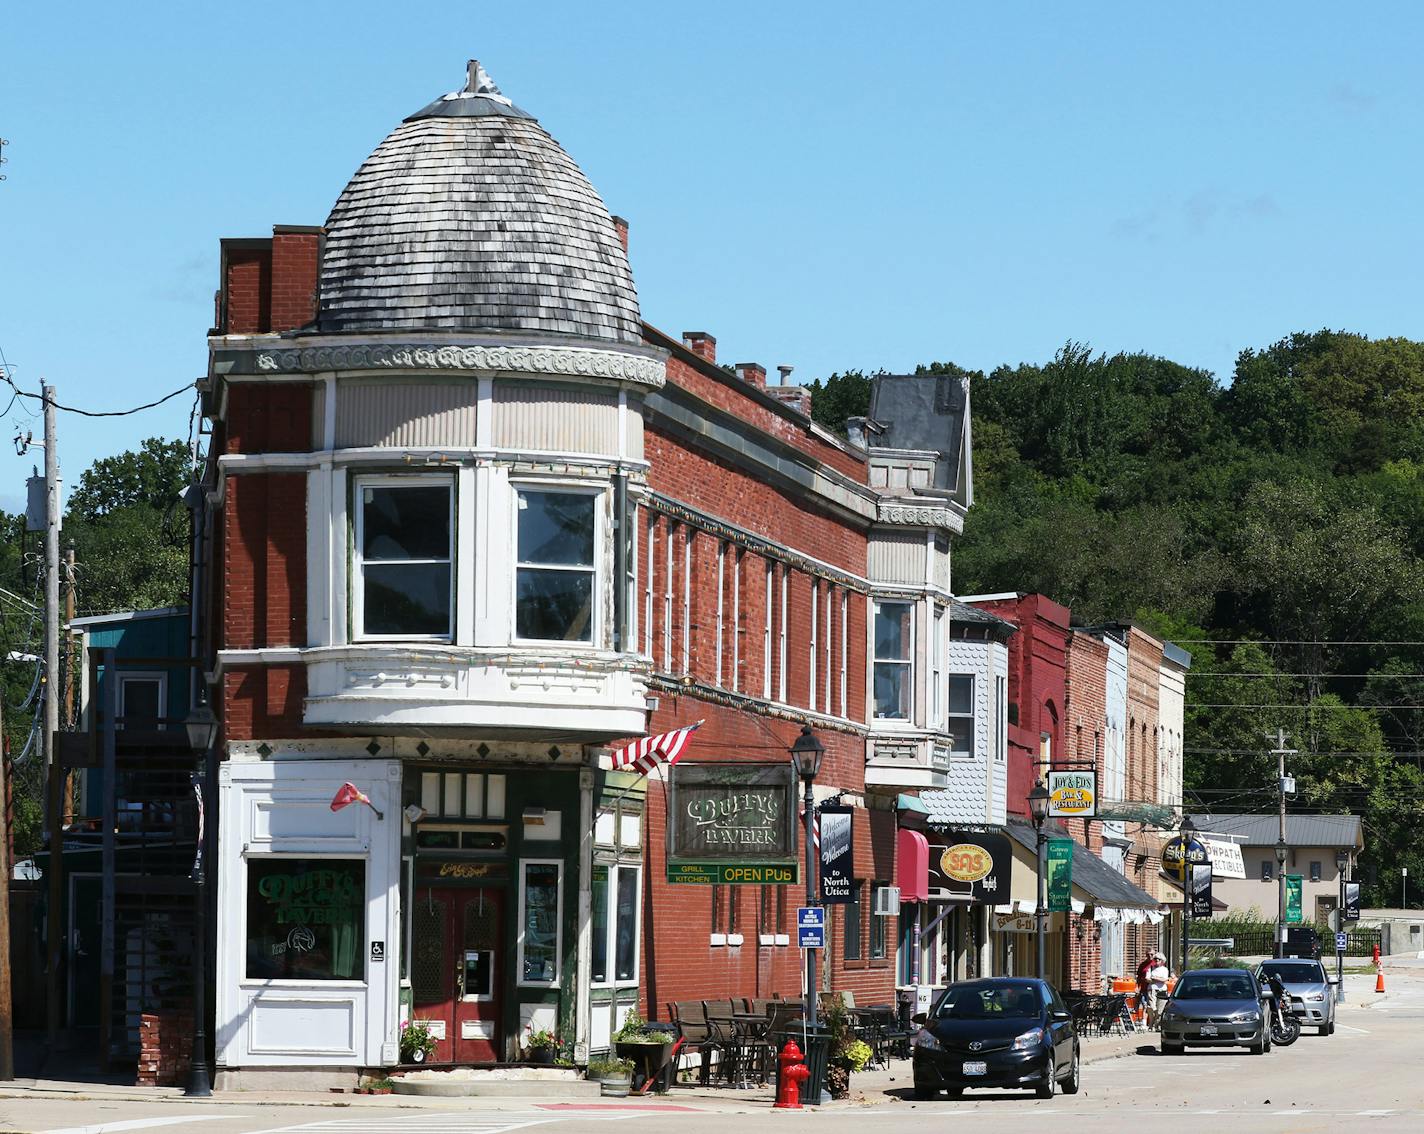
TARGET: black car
(1001,1032)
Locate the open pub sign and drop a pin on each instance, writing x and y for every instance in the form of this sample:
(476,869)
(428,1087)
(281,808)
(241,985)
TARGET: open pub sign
(738,814)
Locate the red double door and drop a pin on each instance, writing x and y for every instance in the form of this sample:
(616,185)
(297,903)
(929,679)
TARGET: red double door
(456,971)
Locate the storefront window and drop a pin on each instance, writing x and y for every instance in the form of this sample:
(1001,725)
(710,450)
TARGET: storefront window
(600,925)
(626,946)
(539,923)
(306,918)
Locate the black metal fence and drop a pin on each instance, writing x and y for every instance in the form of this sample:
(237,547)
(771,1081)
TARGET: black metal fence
(1259,940)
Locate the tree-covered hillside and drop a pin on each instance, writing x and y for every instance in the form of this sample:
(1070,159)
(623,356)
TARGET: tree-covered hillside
(1273,526)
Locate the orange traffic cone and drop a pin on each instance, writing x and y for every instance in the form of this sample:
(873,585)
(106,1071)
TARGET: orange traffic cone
(1379,979)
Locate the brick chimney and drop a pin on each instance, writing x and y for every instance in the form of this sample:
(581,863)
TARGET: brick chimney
(752,373)
(296,250)
(622,226)
(700,343)
(796,397)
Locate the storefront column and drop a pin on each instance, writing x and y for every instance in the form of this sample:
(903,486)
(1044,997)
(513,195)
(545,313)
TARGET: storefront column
(584,958)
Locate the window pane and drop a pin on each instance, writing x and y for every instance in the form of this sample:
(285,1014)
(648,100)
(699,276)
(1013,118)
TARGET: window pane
(961,693)
(138,698)
(892,630)
(494,797)
(600,924)
(852,923)
(407,598)
(556,527)
(306,918)
(554,605)
(892,690)
(877,924)
(627,955)
(399,522)
(541,922)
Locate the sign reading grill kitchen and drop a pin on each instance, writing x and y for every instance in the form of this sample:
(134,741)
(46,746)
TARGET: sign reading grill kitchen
(731,813)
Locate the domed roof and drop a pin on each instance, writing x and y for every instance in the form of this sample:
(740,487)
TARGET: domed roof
(470,217)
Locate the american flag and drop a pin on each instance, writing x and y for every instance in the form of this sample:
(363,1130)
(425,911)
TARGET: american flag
(646,754)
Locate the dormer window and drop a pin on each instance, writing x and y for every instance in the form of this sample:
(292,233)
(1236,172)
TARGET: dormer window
(556,571)
(403,557)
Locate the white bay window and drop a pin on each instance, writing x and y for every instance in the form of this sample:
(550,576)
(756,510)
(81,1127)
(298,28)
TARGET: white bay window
(403,556)
(894,643)
(556,573)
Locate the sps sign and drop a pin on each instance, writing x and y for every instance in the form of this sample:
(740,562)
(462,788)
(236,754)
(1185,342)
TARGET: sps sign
(972,864)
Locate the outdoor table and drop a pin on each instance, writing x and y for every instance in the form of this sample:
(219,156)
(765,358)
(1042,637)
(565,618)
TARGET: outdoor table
(749,1031)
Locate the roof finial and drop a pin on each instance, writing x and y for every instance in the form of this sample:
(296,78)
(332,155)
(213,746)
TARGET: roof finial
(477,80)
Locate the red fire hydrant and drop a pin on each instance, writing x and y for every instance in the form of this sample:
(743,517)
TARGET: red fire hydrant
(793,1074)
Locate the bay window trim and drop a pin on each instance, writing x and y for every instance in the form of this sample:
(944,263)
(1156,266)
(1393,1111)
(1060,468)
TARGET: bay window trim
(597,494)
(357,595)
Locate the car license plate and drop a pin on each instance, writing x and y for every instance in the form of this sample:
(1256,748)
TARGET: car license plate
(1208,1029)
(976,1067)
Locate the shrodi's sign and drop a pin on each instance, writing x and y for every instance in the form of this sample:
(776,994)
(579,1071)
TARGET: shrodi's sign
(1073,795)
(971,864)
(1180,852)
(732,815)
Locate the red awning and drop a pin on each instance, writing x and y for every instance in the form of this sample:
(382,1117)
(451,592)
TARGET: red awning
(912,866)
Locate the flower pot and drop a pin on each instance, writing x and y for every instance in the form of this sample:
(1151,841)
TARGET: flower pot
(541,1055)
(616,1087)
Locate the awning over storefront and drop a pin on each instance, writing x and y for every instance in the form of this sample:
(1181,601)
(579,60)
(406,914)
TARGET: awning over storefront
(1098,890)
(912,857)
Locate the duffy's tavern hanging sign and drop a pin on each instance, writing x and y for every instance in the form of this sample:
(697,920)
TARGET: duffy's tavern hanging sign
(732,823)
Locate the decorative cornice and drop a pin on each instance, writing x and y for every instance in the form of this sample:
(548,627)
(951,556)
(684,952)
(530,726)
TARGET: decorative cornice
(919,515)
(576,362)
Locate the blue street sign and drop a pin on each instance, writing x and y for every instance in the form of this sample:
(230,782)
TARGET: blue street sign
(1342,942)
(810,927)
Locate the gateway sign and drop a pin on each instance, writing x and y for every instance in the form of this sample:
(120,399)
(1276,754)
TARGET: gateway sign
(732,815)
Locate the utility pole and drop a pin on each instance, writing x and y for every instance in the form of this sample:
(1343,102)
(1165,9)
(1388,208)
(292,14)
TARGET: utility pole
(1280,752)
(69,659)
(7,1013)
(54,819)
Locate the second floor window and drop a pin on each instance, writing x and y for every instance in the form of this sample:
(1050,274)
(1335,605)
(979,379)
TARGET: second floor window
(555,575)
(961,715)
(404,528)
(894,639)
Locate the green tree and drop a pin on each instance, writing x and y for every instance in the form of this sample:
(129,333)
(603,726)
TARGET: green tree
(839,397)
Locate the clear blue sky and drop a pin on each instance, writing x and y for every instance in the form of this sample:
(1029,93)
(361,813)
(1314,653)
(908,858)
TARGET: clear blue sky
(822,184)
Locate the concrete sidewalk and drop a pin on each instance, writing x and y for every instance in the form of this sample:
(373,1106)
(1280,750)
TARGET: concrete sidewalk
(867,1088)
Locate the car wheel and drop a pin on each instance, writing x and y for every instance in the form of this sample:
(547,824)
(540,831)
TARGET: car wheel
(1328,1029)
(1049,1086)
(1173,1048)
(1074,1080)
(954,1092)
(1262,1045)
(924,1092)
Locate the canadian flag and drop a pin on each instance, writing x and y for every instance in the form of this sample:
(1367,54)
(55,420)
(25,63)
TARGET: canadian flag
(349,793)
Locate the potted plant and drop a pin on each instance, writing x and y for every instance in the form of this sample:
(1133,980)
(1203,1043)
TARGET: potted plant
(850,1057)
(540,1045)
(648,1050)
(417,1045)
(379,1087)
(615,1076)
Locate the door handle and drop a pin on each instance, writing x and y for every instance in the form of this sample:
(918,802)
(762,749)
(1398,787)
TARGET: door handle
(460,979)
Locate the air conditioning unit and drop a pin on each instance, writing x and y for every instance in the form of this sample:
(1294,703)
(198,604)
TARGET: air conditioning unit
(887,901)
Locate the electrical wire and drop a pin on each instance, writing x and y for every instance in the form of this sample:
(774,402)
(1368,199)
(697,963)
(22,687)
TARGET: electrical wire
(97,413)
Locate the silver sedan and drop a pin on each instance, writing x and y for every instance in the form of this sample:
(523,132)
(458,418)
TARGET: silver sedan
(1215,1008)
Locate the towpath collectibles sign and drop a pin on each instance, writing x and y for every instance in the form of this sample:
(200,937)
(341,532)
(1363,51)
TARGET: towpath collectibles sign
(1073,795)
(972,865)
(732,815)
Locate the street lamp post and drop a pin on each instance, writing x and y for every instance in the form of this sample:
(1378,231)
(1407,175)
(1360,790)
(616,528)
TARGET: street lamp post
(1281,851)
(1038,809)
(807,753)
(202,729)
(1342,865)
(1189,830)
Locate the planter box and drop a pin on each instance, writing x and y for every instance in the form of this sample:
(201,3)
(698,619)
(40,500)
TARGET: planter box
(616,1088)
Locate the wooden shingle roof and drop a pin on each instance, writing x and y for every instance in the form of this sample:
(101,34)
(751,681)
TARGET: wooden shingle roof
(470,217)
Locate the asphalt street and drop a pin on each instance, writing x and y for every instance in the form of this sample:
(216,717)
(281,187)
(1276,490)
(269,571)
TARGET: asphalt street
(1369,1075)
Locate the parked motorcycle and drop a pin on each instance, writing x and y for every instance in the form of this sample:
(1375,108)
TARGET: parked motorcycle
(1285,1028)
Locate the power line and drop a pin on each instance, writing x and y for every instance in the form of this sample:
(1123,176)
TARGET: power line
(1366,676)
(96,413)
(1292,642)
(1308,706)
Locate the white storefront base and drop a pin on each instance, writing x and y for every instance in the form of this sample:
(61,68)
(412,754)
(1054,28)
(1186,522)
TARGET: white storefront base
(276,811)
